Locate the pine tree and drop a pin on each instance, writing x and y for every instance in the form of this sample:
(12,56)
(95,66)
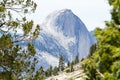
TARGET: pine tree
(115,12)
(93,49)
(71,67)
(76,59)
(104,63)
(68,64)
(14,59)
(49,71)
(55,71)
(40,74)
(61,63)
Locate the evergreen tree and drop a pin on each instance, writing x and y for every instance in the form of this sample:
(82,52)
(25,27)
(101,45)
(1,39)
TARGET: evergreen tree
(115,12)
(46,73)
(76,59)
(104,63)
(55,71)
(68,64)
(40,74)
(61,63)
(49,72)
(93,49)
(73,62)
(14,59)
(71,67)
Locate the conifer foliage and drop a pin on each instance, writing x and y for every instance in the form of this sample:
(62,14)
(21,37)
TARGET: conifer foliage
(14,59)
(76,59)
(103,64)
(61,63)
(115,12)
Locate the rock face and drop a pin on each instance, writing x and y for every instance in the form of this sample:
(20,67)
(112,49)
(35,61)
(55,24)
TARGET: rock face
(62,33)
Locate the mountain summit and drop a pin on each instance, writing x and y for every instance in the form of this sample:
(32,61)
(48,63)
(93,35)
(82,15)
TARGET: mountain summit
(66,22)
(62,33)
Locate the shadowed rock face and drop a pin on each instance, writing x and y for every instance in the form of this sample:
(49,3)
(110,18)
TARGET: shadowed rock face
(62,33)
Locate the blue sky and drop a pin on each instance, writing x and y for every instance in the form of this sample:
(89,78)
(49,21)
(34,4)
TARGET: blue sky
(92,12)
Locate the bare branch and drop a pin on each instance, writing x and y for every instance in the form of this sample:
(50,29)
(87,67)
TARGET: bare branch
(15,9)
(4,68)
(2,24)
(98,72)
(23,39)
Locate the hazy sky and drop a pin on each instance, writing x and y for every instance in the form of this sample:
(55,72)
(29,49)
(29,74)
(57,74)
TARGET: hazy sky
(92,12)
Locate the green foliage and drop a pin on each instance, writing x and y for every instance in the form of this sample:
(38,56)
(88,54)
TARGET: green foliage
(90,67)
(5,76)
(55,71)
(68,64)
(7,40)
(31,49)
(67,70)
(71,67)
(106,57)
(27,27)
(76,59)
(116,69)
(61,63)
(70,79)
(104,60)
(2,9)
(115,12)
(14,59)
(93,49)
(49,72)
(40,74)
